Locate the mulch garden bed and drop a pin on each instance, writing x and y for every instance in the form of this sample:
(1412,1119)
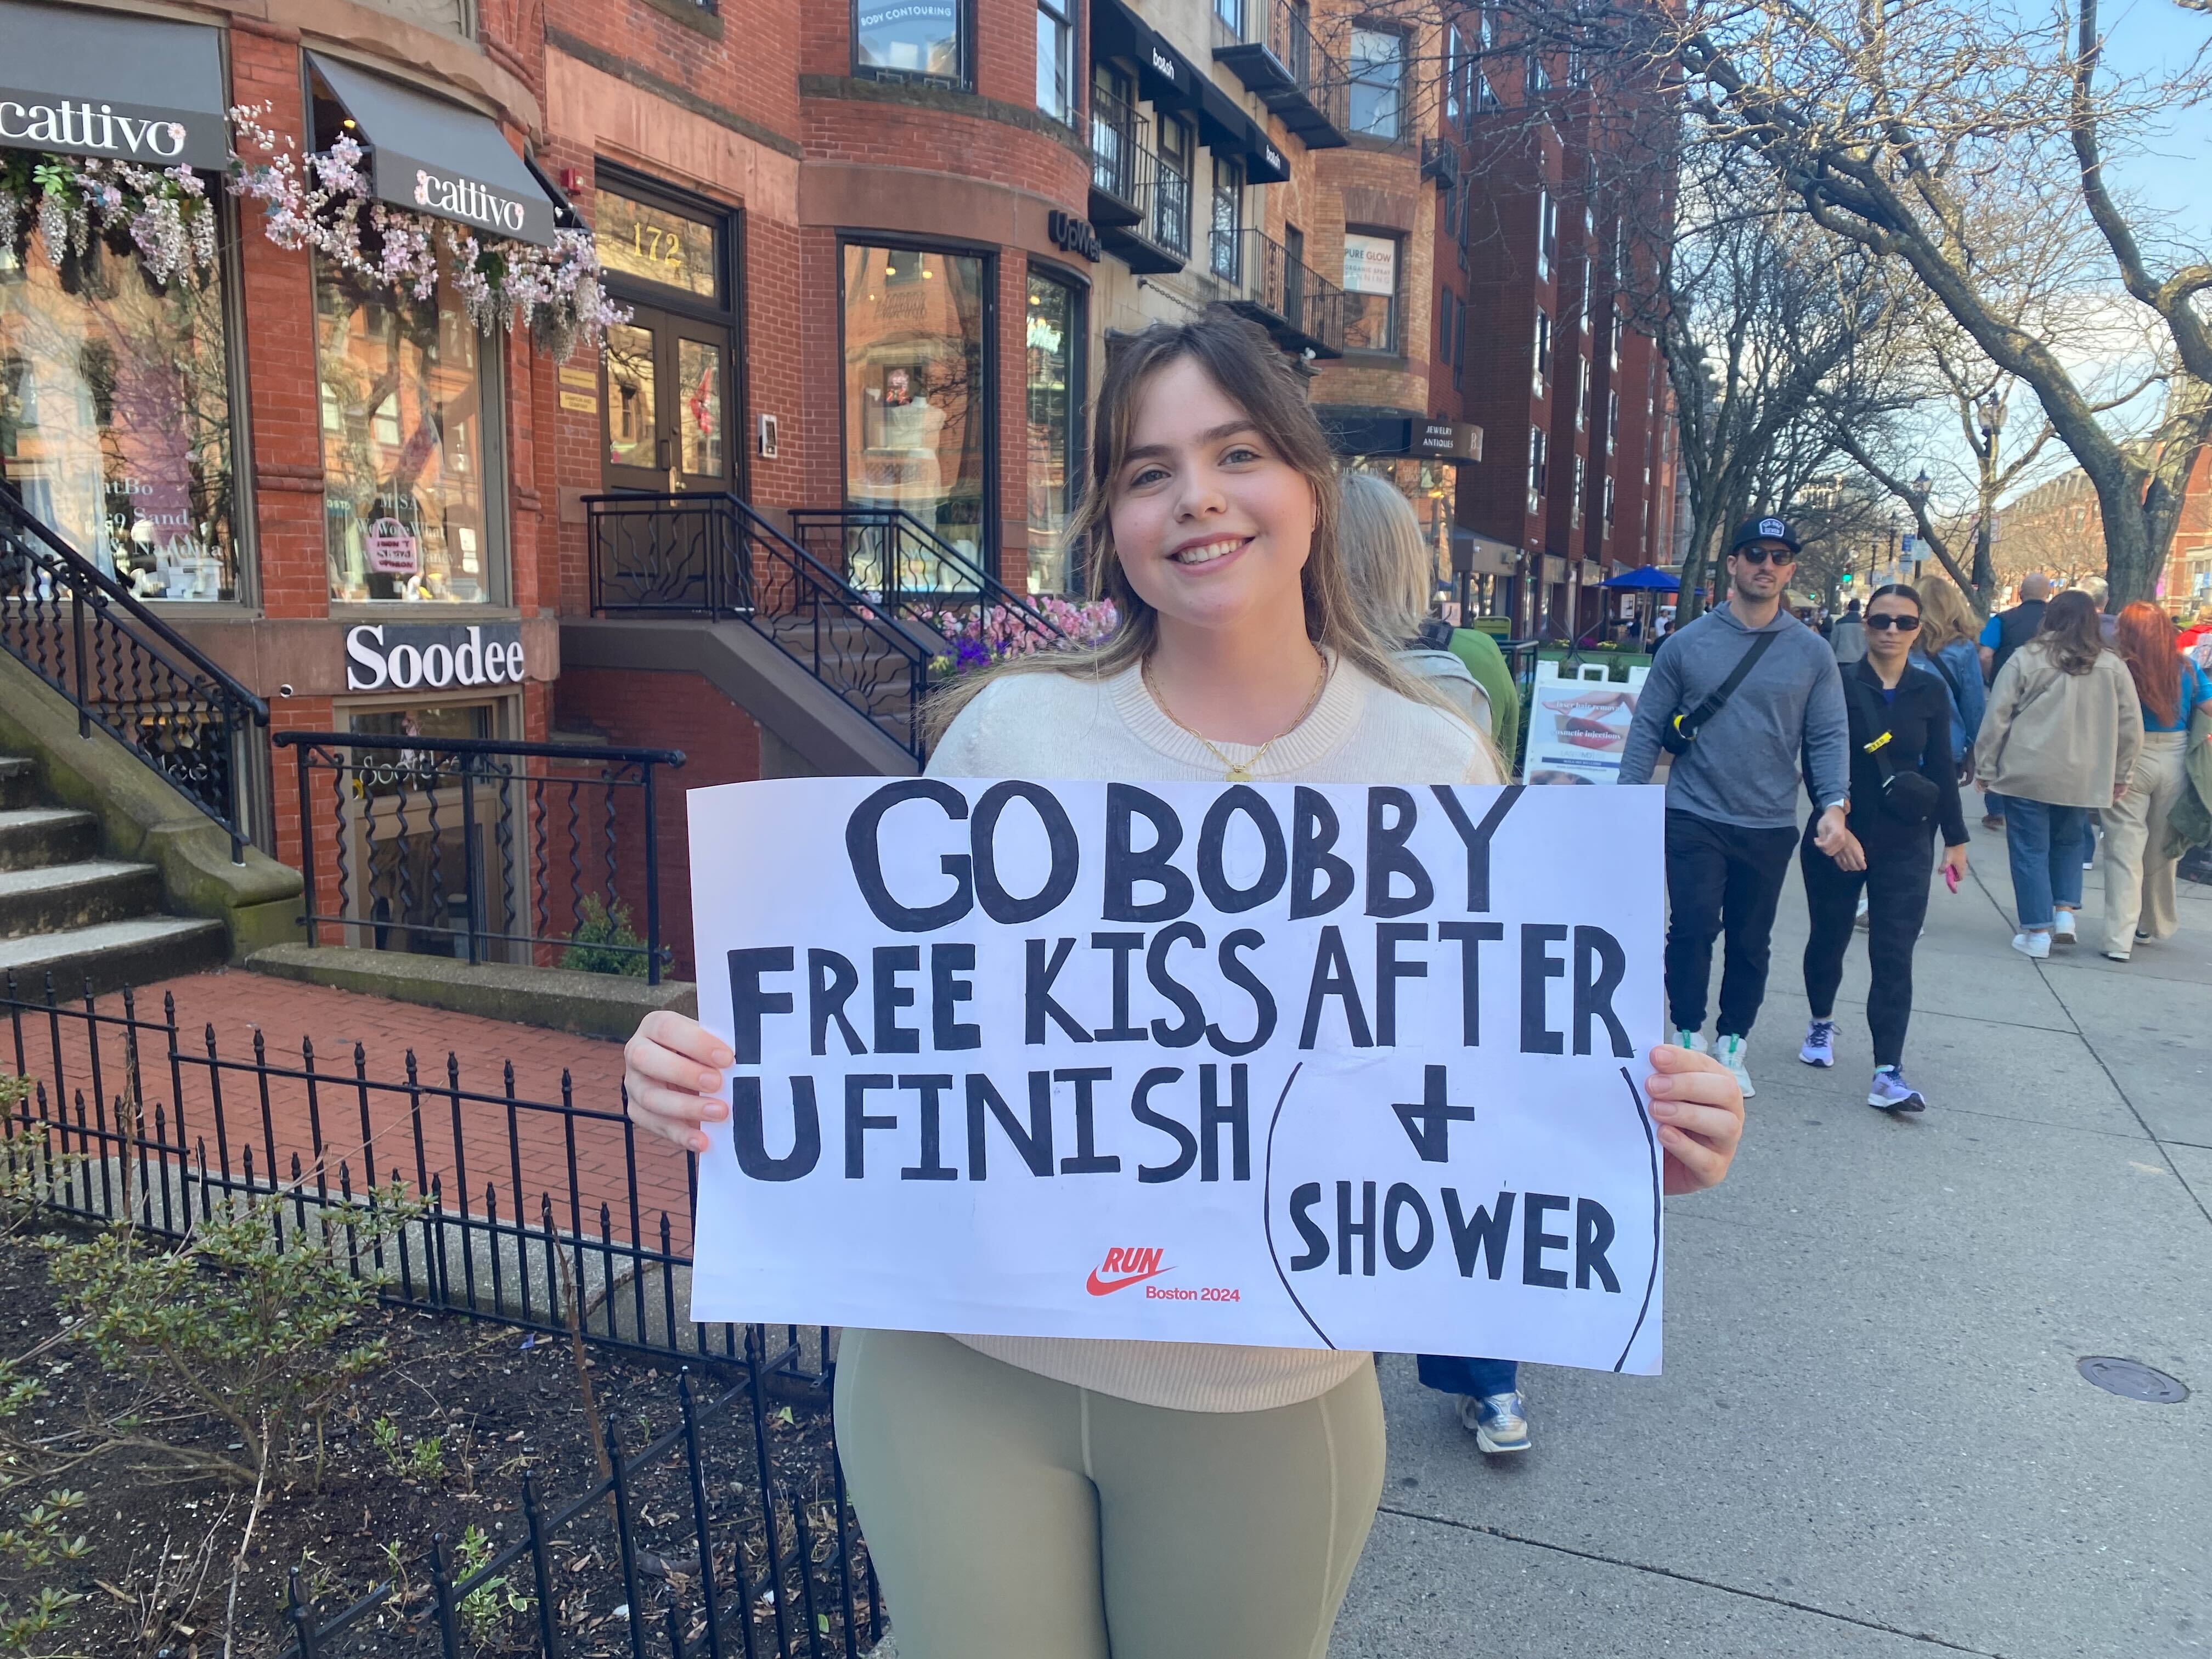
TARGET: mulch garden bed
(434,1441)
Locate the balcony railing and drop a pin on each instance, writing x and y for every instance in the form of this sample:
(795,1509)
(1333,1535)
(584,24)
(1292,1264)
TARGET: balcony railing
(1270,46)
(1120,170)
(912,572)
(1301,308)
(1171,210)
(533,855)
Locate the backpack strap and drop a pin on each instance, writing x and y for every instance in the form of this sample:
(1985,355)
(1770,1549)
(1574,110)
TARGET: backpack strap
(1691,724)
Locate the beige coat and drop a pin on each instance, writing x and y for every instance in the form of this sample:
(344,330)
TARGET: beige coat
(2068,739)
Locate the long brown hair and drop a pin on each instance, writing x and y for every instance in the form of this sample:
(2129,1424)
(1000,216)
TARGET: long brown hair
(1241,360)
(2071,636)
(2145,640)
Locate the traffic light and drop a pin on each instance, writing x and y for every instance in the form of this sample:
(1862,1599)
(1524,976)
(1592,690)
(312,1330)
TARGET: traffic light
(1845,579)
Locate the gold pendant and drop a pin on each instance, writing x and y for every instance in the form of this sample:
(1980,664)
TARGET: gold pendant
(1237,775)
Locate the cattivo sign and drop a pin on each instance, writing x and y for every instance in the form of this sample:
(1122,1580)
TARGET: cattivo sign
(384,657)
(82,130)
(465,199)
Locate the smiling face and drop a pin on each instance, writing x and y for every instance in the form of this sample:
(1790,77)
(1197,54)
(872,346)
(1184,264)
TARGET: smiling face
(1212,526)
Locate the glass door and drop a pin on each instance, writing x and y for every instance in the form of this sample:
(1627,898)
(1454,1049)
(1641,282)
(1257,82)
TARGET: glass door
(666,404)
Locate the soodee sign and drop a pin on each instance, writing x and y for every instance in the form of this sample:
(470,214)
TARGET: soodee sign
(1340,1067)
(387,657)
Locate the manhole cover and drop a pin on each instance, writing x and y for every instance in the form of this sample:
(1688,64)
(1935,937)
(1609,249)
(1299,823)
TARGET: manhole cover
(2131,1379)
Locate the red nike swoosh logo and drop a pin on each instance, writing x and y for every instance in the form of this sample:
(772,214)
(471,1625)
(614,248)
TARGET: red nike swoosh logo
(1098,1286)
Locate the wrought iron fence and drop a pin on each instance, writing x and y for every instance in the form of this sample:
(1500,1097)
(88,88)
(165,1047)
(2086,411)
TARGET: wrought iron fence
(130,1115)
(125,670)
(531,854)
(714,556)
(909,569)
(1271,46)
(1121,162)
(1280,292)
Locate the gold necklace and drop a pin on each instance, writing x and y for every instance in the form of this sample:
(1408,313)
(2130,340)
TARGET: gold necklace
(1239,771)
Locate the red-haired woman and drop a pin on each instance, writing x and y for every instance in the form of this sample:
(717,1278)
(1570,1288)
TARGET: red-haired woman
(2138,876)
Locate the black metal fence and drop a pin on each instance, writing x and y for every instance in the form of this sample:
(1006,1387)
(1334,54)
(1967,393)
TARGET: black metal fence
(531,854)
(909,569)
(132,1114)
(125,670)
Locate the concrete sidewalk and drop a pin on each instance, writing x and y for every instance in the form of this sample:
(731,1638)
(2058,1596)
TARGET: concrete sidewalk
(1871,1439)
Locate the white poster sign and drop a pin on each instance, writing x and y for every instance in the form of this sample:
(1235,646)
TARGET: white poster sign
(1371,264)
(1578,727)
(1257,1064)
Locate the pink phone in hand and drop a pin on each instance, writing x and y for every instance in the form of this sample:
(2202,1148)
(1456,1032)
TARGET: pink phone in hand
(1950,879)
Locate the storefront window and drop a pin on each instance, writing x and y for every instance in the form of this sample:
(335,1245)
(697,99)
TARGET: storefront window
(1055,335)
(408,397)
(909,37)
(115,417)
(1371,293)
(915,386)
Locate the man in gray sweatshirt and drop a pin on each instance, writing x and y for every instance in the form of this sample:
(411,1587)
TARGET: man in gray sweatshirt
(1732,798)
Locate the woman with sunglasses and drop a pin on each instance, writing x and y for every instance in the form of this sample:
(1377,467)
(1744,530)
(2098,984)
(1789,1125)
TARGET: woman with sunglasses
(1904,784)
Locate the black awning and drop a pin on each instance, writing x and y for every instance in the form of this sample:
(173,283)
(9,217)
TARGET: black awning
(1223,126)
(1170,80)
(476,179)
(110,84)
(1117,32)
(1264,163)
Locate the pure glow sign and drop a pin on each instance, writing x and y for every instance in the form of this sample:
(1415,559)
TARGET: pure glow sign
(1371,264)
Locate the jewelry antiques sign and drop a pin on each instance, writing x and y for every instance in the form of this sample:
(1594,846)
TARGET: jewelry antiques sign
(1288,1065)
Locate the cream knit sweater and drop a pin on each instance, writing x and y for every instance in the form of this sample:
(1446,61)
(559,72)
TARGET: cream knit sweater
(1047,726)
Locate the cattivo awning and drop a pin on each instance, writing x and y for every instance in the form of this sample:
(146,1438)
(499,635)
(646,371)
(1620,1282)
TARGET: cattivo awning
(105,83)
(477,178)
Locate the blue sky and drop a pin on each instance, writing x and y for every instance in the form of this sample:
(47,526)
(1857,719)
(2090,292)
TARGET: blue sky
(2144,36)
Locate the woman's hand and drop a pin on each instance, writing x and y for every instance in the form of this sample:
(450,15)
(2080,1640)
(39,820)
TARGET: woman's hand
(673,1069)
(1850,855)
(1955,861)
(1699,1110)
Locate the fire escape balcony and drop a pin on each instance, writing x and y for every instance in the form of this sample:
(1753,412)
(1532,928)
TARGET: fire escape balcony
(1270,46)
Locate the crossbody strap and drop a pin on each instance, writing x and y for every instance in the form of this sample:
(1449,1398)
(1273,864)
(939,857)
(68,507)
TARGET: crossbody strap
(1881,746)
(1691,724)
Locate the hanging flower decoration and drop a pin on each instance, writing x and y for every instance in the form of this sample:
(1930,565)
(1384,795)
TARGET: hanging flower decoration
(327,206)
(161,215)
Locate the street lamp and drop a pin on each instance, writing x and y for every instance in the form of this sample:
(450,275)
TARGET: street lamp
(1992,411)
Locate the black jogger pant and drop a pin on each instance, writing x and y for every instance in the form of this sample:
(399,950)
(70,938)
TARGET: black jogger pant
(1721,877)
(1900,862)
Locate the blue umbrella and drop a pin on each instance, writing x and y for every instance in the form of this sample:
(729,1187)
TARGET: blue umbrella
(1649,577)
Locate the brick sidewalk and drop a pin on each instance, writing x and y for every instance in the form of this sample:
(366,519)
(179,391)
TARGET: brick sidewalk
(422,1130)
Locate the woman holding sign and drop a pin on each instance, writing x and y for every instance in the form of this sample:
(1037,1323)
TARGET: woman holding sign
(1027,1496)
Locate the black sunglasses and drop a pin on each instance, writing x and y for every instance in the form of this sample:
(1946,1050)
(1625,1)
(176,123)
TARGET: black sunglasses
(1760,556)
(1902,624)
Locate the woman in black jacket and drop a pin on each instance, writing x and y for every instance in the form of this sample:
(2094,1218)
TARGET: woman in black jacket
(1904,785)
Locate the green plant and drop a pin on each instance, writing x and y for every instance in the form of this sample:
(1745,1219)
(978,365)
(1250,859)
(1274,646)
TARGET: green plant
(605,943)
(420,1459)
(485,1607)
(40,1538)
(253,1328)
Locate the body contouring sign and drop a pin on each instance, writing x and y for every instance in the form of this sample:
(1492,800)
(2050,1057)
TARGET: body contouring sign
(1308,1067)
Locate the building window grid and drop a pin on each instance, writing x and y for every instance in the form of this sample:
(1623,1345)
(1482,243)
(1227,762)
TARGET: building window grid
(1582,392)
(1611,419)
(1226,249)
(1171,188)
(1608,494)
(1548,234)
(1055,60)
(1575,508)
(1377,77)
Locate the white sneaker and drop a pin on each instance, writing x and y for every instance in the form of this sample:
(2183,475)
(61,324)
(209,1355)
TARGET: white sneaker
(1693,1041)
(2036,945)
(2061,928)
(1731,1051)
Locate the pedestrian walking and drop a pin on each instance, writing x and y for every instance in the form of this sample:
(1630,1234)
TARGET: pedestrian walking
(2004,632)
(1905,787)
(1847,639)
(2061,736)
(1743,697)
(1390,568)
(1945,647)
(1028,1496)
(2139,866)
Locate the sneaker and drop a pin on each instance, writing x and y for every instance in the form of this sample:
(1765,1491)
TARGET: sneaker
(1860,918)
(1499,1422)
(1693,1041)
(2116,955)
(1990,821)
(1820,1047)
(1731,1051)
(2036,945)
(2062,928)
(1890,1091)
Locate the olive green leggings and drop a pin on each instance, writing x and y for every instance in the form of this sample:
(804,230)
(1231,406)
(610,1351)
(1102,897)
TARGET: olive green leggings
(1011,1516)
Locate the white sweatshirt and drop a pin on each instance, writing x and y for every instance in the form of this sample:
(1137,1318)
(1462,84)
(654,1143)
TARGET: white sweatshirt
(1053,727)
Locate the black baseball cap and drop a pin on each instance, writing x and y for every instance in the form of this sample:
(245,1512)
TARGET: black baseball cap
(1764,530)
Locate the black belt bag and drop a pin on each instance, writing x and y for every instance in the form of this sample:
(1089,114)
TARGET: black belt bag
(1676,736)
(1907,797)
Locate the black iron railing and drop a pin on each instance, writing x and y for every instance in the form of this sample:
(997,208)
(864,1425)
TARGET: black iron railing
(1270,47)
(126,671)
(1288,297)
(132,1117)
(540,854)
(1121,162)
(910,570)
(714,556)
(1170,220)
